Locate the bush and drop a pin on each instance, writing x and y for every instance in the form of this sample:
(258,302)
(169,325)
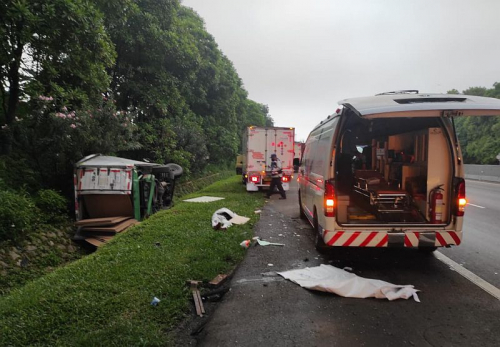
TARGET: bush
(18,215)
(52,204)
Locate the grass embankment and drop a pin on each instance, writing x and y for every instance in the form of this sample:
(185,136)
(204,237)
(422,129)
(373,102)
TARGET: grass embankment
(104,299)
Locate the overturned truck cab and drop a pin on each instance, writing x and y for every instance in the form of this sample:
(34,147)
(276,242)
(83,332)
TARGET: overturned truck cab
(108,187)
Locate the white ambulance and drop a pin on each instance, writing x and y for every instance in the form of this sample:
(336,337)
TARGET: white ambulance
(258,145)
(387,171)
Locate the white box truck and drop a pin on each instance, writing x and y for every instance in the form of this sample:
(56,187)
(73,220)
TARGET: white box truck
(258,145)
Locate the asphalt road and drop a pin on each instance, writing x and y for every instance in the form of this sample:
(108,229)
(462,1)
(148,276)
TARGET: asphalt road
(263,309)
(480,248)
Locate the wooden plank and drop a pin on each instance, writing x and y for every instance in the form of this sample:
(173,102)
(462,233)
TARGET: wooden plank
(116,228)
(197,304)
(107,221)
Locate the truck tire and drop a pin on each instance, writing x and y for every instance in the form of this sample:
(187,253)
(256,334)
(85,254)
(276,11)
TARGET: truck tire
(175,169)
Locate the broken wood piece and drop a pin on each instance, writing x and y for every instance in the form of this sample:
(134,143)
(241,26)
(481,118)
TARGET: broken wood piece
(200,310)
(218,280)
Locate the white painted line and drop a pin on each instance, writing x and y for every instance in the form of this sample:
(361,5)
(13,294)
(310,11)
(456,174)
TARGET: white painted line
(478,281)
(475,205)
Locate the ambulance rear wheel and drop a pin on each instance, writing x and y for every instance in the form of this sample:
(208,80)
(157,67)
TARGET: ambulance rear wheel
(301,209)
(319,243)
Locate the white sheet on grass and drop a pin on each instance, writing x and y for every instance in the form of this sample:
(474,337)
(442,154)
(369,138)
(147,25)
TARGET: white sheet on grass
(327,278)
(204,199)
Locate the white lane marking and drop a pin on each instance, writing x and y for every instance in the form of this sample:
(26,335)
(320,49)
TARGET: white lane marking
(475,205)
(478,281)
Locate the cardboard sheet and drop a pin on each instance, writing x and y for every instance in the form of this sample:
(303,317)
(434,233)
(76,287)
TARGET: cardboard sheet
(239,220)
(102,205)
(106,221)
(327,278)
(112,229)
(204,199)
(94,242)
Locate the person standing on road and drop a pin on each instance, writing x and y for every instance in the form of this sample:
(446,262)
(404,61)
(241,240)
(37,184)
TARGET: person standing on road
(276,174)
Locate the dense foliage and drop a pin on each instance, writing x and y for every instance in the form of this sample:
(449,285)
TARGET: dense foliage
(137,78)
(479,136)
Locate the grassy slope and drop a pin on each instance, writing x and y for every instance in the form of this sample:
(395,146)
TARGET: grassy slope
(104,299)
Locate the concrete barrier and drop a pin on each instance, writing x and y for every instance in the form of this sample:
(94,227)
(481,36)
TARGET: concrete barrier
(482,172)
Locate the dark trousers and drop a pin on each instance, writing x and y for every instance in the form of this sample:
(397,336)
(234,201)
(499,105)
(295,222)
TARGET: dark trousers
(276,182)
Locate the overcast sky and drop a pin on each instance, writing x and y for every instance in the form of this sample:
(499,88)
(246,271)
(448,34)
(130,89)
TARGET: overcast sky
(302,56)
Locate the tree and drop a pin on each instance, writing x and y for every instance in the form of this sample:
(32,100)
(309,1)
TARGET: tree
(56,49)
(478,136)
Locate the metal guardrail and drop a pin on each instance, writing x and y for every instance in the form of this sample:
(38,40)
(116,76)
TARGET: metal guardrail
(482,172)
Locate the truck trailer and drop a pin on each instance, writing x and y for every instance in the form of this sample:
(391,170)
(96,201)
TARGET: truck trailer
(258,145)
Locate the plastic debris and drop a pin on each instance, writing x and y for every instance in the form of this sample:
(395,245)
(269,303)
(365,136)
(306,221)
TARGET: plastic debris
(265,243)
(327,278)
(223,218)
(347,268)
(245,244)
(270,264)
(155,301)
(257,211)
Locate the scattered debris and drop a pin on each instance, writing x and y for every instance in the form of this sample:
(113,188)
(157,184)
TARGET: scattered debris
(223,218)
(155,301)
(215,295)
(270,264)
(255,238)
(204,199)
(327,278)
(257,211)
(245,244)
(200,310)
(265,243)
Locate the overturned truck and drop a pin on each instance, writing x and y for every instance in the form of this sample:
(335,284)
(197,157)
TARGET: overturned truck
(113,193)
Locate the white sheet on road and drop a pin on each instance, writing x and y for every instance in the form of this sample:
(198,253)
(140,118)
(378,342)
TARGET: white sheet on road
(327,278)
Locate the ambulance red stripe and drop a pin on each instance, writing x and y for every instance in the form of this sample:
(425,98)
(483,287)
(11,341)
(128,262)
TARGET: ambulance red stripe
(455,237)
(383,242)
(368,239)
(440,239)
(353,237)
(335,238)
